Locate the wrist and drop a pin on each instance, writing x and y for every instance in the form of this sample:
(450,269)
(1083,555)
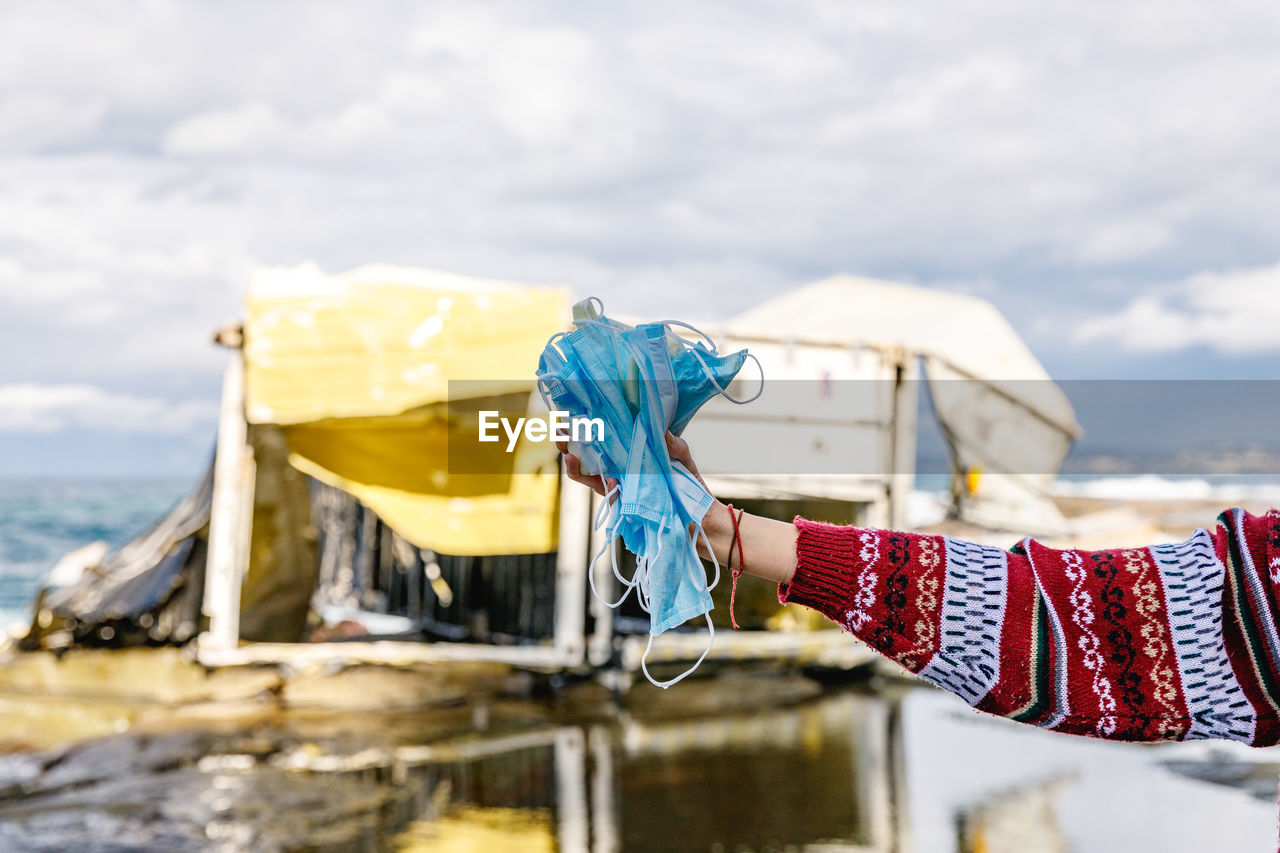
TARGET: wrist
(718,527)
(716,521)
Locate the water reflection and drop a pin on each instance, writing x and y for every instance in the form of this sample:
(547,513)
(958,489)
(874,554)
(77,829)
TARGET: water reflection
(780,779)
(775,780)
(836,771)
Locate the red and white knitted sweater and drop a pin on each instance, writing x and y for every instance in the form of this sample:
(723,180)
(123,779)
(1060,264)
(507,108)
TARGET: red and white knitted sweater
(1169,642)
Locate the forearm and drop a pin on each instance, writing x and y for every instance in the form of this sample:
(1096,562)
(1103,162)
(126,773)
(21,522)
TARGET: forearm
(768,545)
(1167,642)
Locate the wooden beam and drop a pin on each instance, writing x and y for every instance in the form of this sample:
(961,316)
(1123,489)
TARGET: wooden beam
(902,441)
(230,516)
(825,648)
(571,570)
(382,651)
(600,643)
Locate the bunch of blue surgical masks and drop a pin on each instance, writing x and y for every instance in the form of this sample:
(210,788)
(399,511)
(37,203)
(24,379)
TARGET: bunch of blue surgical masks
(642,382)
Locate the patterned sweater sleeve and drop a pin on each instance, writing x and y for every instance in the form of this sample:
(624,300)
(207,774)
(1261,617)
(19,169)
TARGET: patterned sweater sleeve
(1168,642)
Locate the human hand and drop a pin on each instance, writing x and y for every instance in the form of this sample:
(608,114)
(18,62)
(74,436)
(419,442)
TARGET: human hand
(573,467)
(677,448)
(768,545)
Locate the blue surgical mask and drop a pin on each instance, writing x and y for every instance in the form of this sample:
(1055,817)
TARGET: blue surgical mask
(642,382)
(704,374)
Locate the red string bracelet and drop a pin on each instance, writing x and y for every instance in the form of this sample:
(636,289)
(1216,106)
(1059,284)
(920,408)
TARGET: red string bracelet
(737,540)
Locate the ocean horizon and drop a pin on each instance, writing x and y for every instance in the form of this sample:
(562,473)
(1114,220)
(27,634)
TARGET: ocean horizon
(41,519)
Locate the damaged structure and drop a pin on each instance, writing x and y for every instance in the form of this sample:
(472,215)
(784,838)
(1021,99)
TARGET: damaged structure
(341,517)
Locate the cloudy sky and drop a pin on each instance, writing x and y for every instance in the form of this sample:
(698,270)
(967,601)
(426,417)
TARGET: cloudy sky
(1107,174)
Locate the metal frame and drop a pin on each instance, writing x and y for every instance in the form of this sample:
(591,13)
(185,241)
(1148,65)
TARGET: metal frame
(231,520)
(230,528)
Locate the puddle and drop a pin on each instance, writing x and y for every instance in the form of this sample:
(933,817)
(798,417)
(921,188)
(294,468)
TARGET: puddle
(844,769)
(776,780)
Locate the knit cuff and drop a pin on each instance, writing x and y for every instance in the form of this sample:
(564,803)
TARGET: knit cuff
(825,557)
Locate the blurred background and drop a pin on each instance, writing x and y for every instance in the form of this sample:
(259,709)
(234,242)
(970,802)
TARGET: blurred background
(1102,180)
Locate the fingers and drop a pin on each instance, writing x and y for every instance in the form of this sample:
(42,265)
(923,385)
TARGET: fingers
(678,449)
(594,482)
(573,466)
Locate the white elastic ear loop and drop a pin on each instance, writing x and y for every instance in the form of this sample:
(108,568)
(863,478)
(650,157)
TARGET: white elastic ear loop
(665,684)
(642,584)
(642,577)
(542,392)
(639,578)
(546,398)
(591,576)
(693,329)
(639,581)
(693,543)
(609,545)
(611,325)
(554,338)
(724,393)
(606,504)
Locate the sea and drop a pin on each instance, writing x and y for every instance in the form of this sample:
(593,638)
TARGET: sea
(40,520)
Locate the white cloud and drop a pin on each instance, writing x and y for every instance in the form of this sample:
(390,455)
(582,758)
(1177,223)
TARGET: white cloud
(1121,241)
(238,131)
(677,159)
(30,122)
(30,407)
(1236,312)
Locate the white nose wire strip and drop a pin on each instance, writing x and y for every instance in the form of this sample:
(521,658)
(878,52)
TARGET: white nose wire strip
(711,638)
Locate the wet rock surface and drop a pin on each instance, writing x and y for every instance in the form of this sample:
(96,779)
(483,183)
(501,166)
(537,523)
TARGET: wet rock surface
(1258,777)
(192,791)
(502,772)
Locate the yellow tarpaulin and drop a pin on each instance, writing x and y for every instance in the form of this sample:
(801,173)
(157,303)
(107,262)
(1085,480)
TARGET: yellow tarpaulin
(357,368)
